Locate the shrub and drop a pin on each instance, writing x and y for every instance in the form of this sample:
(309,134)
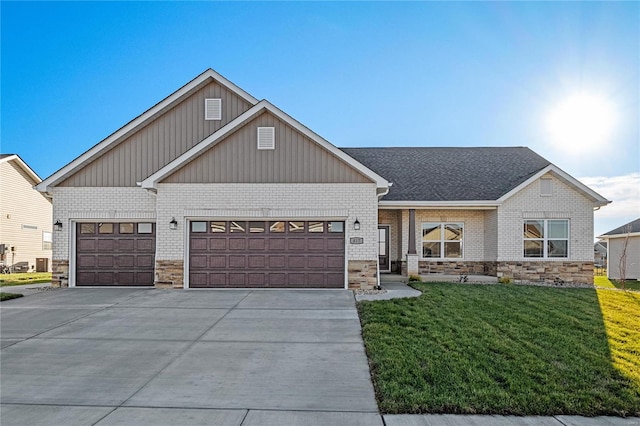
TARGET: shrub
(504,280)
(414,278)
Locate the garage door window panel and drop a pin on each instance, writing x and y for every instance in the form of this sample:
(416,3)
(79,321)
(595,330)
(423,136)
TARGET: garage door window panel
(218,227)
(125,228)
(87,228)
(296,227)
(276,227)
(238,227)
(198,227)
(105,228)
(145,228)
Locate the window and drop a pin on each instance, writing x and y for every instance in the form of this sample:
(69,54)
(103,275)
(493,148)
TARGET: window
(105,228)
(256,227)
(276,227)
(336,226)
(145,228)
(87,228)
(442,240)
(217,227)
(546,238)
(198,227)
(238,227)
(47,240)
(213,109)
(266,138)
(296,226)
(546,188)
(126,228)
(316,226)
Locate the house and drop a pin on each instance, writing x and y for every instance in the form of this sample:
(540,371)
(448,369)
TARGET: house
(25,218)
(623,253)
(212,187)
(600,254)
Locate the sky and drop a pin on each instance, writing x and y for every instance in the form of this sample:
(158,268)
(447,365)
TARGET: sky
(360,74)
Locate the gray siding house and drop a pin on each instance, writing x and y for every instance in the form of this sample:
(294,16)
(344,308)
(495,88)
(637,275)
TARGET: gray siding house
(214,188)
(623,251)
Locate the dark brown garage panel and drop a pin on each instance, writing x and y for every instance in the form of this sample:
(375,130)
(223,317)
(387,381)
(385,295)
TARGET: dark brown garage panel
(291,254)
(115,254)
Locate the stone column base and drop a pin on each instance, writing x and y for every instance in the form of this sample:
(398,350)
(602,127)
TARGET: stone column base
(59,273)
(169,274)
(363,274)
(413,267)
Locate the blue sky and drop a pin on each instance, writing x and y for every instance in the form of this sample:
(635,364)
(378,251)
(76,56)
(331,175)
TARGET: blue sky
(357,73)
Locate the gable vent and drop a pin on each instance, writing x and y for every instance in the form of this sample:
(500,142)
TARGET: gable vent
(266,138)
(546,188)
(213,109)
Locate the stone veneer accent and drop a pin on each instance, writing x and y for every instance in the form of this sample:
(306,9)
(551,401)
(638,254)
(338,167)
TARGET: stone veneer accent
(60,273)
(452,267)
(169,274)
(363,274)
(571,272)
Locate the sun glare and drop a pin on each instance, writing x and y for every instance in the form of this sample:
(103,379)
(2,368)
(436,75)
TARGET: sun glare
(582,122)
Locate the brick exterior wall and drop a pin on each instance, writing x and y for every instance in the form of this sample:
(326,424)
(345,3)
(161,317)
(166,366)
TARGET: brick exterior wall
(60,274)
(169,274)
(564,203)
(363,274)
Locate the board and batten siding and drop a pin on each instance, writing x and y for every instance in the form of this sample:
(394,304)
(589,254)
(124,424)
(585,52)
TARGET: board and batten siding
(22,205)
(167,136)
(295,159)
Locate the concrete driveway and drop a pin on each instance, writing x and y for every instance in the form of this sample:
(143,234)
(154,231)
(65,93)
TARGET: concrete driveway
(226,357)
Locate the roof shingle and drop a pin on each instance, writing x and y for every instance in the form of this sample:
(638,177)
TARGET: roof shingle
(450,174)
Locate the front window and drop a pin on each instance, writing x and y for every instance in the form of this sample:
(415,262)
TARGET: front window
(546,238)
(47,240)
(442,240)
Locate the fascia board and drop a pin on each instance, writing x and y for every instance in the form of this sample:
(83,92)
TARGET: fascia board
(607,237)
(152,181)
(33,175)
(444,205)
(599,199)
(102,146)
(379,180)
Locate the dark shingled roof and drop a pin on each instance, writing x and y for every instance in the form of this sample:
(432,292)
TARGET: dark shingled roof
(450,174)
(631,227)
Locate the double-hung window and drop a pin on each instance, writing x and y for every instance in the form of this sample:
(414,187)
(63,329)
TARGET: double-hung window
(442,240)
(546,238)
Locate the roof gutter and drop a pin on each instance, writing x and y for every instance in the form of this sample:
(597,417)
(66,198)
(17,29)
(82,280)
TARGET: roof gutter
(444,205)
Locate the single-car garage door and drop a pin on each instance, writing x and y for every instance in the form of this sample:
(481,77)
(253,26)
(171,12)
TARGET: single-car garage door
(292,254)
(115,254)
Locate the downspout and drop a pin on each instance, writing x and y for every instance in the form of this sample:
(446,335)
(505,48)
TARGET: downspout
(380,195)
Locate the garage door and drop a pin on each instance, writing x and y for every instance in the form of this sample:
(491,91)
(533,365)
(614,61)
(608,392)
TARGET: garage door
(115,254)
(292,254)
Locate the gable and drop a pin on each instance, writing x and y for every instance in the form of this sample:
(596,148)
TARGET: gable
(160,139)
(295,159)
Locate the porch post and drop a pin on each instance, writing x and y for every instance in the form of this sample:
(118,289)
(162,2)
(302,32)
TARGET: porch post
(412,231)
(412,257)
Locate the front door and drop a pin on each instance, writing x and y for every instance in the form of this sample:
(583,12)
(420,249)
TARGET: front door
(383,248)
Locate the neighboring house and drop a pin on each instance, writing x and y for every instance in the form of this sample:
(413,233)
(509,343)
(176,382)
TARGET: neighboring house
(213,188)
(626,235)
(25,218)
(600,254)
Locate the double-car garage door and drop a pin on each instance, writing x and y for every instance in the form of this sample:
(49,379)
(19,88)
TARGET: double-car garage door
(300,254)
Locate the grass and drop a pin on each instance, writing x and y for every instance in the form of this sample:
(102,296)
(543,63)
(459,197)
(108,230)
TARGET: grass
(603,281)
(505,350)
(24,278)
(9,296)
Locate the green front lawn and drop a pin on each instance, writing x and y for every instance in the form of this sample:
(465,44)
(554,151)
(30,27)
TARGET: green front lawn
(603,281)
(9,296)
(498,349)
(24,278)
